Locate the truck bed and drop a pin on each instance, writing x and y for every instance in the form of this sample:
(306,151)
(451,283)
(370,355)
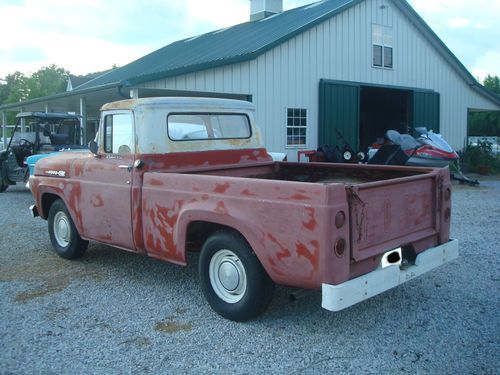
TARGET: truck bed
(290,211)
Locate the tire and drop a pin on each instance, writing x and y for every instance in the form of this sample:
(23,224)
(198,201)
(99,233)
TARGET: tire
(245,290)
(347,155)
(63,234)
(3,183)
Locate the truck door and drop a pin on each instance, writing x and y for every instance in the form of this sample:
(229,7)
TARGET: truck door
(107,180)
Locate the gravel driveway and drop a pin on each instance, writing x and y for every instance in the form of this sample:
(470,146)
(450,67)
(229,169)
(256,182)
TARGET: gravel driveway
(115,312)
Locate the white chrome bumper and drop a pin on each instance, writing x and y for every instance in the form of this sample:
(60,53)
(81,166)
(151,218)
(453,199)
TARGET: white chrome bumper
(339,297)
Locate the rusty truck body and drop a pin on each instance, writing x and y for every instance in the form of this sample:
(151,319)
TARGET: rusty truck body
(171,175)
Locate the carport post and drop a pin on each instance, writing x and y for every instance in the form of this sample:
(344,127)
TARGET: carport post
(83,120)
(134,93)
(23,124)
(46,107)
(4,129)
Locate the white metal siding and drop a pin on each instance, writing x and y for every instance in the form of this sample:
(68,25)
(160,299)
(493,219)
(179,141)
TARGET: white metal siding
(338,49)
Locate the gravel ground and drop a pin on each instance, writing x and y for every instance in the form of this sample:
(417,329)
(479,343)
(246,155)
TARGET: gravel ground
(115,312)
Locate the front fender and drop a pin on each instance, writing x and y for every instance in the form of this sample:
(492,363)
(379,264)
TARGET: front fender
(62,189)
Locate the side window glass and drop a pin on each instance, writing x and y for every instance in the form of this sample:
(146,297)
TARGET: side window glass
(118,134)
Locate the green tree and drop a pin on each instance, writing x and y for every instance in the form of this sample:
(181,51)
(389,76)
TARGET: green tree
(18,87)
(48,80)
(14,88)
(492,83)
(486,123)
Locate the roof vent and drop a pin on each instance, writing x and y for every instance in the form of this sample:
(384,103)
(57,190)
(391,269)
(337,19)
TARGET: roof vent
(260,9)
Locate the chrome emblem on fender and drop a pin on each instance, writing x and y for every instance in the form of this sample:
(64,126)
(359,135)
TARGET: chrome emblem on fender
(56,173)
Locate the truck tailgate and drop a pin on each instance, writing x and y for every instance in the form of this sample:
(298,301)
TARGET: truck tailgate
(388,214)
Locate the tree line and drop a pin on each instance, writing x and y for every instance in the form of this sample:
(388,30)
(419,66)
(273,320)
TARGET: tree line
(17,87)
(486,123)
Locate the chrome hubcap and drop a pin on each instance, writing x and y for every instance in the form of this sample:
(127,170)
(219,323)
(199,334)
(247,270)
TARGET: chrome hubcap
(227,276)
(62,229)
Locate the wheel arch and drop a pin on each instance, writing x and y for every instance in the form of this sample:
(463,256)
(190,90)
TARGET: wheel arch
(190,221)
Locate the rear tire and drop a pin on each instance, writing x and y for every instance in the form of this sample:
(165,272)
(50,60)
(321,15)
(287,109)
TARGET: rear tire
(63,234)
(232,279)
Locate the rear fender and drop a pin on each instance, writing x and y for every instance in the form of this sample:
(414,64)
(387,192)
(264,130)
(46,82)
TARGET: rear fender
(191,215)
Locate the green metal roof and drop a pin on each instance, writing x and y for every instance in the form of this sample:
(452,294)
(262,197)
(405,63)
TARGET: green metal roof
(245,42)
(226,46)
(248,40)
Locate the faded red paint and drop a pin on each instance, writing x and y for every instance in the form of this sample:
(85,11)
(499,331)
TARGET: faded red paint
(283,252)
(97,201)
(311,223)
(155,182)
(248,193)
(221,208)
(311,255)
(300,197)
(222,188)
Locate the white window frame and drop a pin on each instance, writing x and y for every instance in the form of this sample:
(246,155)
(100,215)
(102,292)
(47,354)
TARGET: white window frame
(102,130)
(382,36)
(296,146)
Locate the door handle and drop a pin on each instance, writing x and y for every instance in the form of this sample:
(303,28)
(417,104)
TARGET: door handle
(127,167)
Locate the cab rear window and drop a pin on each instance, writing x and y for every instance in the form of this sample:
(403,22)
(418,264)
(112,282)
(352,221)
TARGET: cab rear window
(203,126)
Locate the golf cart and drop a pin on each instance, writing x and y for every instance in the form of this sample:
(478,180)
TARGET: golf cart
(37,133)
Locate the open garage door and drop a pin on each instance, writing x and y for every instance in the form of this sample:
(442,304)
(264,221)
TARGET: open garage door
(363,113)
(338,109)
(426,110)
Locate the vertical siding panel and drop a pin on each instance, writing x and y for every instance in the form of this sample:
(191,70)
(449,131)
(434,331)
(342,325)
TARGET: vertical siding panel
(218,79)
(236,71)
(210,80)
(228,79)
(245,78)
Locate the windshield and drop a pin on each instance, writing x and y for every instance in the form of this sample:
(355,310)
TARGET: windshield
(47,132)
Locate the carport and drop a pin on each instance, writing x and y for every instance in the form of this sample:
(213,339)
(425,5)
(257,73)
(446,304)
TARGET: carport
(87,103)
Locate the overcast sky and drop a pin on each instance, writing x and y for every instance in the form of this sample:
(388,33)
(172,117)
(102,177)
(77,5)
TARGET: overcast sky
(85,36)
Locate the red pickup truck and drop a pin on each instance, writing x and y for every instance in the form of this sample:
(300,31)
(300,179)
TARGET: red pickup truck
(172,175)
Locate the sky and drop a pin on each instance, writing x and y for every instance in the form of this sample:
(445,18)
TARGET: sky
(85,36)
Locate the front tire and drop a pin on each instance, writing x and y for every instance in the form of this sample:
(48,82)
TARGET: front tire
(232,279)
(63,234)
(3,178)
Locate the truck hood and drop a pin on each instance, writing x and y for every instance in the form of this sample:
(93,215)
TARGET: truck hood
(33,159)
(58,164)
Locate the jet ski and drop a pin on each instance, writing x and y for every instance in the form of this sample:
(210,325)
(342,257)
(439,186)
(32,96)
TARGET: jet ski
(427,149)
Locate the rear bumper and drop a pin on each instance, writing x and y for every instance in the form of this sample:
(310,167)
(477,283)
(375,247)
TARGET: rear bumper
(339,297)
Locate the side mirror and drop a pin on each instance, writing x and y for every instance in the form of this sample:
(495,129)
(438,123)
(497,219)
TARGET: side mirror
(93,147)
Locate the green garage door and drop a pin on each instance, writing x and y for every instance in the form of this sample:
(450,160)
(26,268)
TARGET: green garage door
(426,110)
(338,109)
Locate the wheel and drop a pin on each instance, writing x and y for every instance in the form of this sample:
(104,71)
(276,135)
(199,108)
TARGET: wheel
(63,234)
(3,183)
(232,279)
(347,155)
(361,156)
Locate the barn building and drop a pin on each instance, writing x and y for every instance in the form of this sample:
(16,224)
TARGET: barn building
(354,67)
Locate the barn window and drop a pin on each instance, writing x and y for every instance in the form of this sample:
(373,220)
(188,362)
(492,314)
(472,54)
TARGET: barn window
(382,46)
(296,127)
